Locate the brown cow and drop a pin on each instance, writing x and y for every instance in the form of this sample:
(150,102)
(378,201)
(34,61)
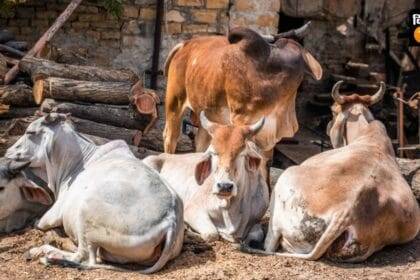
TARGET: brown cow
(236,80)
(346,203)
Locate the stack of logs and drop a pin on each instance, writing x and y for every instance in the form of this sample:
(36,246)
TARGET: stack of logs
(10,51)
(108,104)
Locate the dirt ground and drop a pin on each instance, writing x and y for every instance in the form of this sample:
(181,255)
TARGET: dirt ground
(219,260)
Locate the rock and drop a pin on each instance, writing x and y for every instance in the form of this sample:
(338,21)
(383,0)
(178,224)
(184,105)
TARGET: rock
(175,16)
(204,16)
(410,168)
(218,4)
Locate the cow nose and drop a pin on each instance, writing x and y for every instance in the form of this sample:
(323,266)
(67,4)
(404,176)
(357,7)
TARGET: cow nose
(225,187)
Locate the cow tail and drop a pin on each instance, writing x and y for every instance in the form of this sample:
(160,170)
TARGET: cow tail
(336,227)
(170,56)
(173,241)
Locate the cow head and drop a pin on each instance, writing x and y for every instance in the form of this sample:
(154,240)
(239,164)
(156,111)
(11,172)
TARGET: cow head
(35,144)
(277,53)
(230,156)
(15,192)
(349,113)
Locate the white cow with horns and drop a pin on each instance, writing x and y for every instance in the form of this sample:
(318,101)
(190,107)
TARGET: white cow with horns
(223,190)
(109,203)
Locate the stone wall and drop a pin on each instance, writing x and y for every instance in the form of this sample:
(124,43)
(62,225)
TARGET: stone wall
(94,36)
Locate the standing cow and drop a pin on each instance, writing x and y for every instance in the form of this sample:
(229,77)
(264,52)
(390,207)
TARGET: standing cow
(236,80)
(223,191)
(110,204)
(349,202)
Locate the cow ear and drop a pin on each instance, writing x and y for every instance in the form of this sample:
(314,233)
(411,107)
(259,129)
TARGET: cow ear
(33,193)
(312,65)
(203,170)
(252,163)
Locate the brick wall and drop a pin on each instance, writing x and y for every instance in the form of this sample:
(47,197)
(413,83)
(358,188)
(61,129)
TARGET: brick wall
(92,35)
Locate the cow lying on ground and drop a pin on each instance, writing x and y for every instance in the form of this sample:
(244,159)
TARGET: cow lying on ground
(17,203)
(237,80)
(108,201)
(346,203)
(222,189)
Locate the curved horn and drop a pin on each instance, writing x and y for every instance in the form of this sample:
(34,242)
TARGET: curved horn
(205,122)
(379,94)
(254,128)
(335,93)
(297,33)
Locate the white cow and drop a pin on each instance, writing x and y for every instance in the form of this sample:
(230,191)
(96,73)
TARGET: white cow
(223,190)
(109,202)
(346,203)
(17,203)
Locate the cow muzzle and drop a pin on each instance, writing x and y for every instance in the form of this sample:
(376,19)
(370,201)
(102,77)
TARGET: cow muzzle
(225,189)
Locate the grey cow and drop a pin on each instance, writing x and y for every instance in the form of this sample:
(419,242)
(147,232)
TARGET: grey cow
(109,203)
(17,197)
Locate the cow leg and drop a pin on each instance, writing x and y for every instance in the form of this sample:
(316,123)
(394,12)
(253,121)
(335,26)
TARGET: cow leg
(272,239)
(202,140)
(255,236)
(202,224)
(51,219)
(174,109)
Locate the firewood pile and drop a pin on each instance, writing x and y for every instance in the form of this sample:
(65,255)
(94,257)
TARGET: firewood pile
(105,104)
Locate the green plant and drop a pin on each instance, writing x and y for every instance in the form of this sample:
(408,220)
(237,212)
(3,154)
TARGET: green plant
(114,7)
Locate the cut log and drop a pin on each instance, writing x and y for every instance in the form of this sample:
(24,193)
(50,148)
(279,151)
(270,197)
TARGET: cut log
(46,37)
(17,112)
(3,67)
(114,115)
(104,130)
(84,91)
(5,36)
(19,95)
(4,109)
(411,170)
(11,50)
(152,140)
(38,67)
(18,45)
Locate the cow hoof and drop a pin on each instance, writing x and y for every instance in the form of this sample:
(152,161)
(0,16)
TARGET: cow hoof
(44,261)
(210,237)
(33,253)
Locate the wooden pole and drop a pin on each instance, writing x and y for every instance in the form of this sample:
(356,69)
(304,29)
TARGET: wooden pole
(40,44)
(400,117)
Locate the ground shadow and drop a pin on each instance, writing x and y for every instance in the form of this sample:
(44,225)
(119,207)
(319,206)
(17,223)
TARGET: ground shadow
(393,255)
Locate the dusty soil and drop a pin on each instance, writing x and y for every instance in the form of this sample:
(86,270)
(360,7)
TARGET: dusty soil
(218,260)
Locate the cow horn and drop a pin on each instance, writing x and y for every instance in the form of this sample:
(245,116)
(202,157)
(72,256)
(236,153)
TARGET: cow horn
(254,128)
(335,93)
(205,122)
(379,94)
(297,33)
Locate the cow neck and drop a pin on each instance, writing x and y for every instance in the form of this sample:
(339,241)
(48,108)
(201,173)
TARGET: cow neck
(233,214)
(67,157)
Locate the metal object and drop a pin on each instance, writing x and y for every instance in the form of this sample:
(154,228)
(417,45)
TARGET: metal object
(399,94)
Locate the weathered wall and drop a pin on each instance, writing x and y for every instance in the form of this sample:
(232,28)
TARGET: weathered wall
(94,36)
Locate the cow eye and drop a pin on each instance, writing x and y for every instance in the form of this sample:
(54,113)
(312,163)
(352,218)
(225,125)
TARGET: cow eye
(2,189)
